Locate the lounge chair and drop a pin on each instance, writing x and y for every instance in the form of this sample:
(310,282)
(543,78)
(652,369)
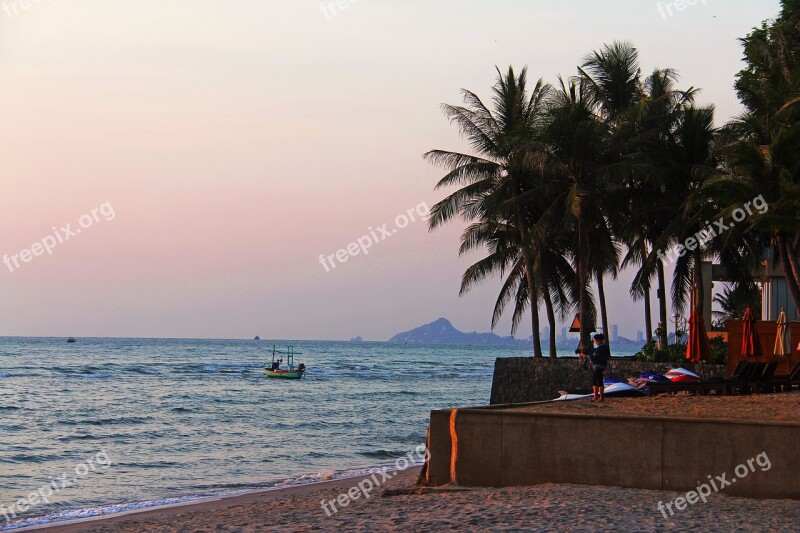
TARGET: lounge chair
(741,384)
(763,383)
(788,381)
(654,389)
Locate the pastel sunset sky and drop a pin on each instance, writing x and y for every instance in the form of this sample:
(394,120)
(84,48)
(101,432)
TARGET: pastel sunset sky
(237,140)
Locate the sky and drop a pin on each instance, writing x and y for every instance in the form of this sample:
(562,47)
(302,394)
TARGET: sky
(176,169)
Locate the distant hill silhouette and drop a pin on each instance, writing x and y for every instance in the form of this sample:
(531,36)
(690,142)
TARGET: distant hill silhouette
(442,332)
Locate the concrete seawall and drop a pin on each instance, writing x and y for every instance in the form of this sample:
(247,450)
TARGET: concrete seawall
(500,448)
(525,379)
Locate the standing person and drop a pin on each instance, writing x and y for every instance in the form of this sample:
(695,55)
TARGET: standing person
(599,358)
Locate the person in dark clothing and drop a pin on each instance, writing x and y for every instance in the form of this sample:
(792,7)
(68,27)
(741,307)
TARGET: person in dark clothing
(599,359)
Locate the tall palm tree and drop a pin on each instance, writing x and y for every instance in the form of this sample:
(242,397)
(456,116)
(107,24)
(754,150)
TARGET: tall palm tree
(690,164)
(652,122)
(573,184)
(496,182)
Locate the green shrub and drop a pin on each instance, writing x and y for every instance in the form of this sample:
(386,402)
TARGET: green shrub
(676,353)
(719,351)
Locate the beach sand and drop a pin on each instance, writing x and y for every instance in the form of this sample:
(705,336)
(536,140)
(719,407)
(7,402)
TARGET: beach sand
(567,508)
(779,407)
(399,505)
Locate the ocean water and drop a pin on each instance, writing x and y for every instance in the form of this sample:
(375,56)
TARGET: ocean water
(130,423)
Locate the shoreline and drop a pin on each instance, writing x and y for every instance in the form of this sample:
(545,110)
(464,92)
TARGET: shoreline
(217,503)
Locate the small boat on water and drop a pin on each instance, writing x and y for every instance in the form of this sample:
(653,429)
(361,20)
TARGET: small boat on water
(289,371)
(71,340)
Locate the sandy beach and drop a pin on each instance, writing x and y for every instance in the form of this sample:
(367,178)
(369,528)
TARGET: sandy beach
(543,508)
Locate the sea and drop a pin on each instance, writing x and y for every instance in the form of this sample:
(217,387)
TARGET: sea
(104,426)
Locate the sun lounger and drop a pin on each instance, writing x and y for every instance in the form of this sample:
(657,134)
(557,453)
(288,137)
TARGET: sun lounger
(788,381)
(763,383)
(654,389)
(739,381)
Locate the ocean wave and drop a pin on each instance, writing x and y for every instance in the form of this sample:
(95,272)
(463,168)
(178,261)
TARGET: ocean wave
(125,421)
(382,454)
(144,370)
(71,438)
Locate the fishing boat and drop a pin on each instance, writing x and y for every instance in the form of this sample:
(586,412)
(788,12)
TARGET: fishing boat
(71,340)
(289,371)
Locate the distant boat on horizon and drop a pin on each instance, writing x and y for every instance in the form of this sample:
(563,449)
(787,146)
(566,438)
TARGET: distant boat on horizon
(71,340)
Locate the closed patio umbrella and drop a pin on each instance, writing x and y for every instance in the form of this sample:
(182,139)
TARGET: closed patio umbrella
(698,349)
(783,339)
(751,347)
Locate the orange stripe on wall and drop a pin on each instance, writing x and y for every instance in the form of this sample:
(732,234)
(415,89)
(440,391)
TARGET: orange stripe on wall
(454,447)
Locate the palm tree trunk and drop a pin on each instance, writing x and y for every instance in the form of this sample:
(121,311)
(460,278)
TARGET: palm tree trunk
(663,338)
(537,341)
(583,284)
(648,314)
(551,319)
(601,295)
(790,270)
(530,278)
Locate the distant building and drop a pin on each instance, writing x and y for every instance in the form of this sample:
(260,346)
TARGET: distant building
(614,332)
(546,333)
(563,335)
(639,336)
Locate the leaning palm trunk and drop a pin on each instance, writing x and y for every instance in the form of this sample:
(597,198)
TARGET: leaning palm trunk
(601,295)
(662,304)
(648,314)
(551,319)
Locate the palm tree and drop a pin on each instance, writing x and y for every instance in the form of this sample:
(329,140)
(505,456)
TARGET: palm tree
(497,182)
(553,272)
(735,299)
(573,186)
(652,121)
(690,163)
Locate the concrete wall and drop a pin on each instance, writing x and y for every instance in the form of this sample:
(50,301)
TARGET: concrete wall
(501,448)
(525,379)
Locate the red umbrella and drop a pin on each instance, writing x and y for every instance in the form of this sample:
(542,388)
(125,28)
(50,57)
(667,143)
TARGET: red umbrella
(751,347)
(698,349)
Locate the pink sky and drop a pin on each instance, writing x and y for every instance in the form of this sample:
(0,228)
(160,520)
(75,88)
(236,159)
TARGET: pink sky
(239,140)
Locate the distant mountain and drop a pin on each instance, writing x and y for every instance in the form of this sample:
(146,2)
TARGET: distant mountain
(443,332)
